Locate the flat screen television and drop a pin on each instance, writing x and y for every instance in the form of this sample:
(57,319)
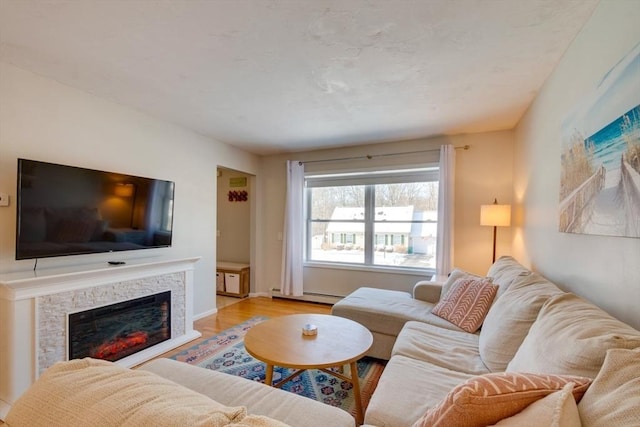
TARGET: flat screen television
(68,210)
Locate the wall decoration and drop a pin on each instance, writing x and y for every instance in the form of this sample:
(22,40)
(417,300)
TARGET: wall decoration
(238,196)
(238,181)
(600,158)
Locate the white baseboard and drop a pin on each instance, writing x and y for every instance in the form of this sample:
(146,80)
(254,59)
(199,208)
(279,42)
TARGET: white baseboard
(259,294)
(205,314)
(310,297)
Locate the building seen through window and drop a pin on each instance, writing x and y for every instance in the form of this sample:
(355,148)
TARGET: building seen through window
(373,219)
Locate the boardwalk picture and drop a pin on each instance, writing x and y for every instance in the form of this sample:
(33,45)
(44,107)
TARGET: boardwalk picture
(600,157)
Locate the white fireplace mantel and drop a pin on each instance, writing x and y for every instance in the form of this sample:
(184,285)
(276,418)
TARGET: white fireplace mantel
(34,306)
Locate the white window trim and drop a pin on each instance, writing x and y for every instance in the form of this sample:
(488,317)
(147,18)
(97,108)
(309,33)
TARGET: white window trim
(370,268)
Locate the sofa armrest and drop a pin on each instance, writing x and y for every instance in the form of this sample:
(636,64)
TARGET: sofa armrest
(428,291)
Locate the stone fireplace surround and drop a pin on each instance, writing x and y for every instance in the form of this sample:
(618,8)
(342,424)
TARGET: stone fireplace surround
(34,308)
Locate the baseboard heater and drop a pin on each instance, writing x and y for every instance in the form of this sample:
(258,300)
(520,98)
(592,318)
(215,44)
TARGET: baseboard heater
(309,296)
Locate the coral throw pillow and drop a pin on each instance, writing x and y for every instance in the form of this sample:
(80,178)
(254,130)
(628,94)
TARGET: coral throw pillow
(467,303)
(486,399)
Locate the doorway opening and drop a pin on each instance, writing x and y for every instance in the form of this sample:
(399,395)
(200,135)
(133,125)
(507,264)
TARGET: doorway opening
(234,235)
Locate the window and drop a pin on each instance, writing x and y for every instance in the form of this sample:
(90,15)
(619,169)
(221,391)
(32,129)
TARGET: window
(386,218)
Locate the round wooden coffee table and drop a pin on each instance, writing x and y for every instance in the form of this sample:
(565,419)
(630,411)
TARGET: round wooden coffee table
(339,341)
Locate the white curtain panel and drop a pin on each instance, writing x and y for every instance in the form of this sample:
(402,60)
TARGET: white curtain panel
(293,237)
(444,245)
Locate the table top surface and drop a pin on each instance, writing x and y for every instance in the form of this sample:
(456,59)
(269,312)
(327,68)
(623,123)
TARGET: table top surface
(225,265)
(279,341)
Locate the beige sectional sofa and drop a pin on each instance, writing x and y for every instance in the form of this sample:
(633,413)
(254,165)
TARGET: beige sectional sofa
(532,327)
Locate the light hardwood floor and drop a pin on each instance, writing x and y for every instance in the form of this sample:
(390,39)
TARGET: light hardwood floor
(245,309)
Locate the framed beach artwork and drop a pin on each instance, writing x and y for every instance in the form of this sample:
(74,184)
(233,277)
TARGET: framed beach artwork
(600,156)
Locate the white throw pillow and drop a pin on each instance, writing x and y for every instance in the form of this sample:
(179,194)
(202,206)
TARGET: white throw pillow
(558,409)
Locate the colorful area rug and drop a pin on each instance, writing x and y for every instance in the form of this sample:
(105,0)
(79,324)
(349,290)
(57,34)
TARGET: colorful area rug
(225,352)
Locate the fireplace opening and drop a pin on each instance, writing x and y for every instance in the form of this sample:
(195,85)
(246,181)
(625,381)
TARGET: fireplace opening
(118,330)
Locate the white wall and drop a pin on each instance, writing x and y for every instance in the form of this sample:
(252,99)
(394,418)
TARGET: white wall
(482,173)
(605,270)
(44,120)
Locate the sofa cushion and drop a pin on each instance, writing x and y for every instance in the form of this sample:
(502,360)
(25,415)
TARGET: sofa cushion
(381,310)
(438,321)
(467,303)
(614,397)
(558,409)
(258,398)
(407,389)
(505,271)
(509,319)
(455,350)
(84,392)
(571,336)
(487,399)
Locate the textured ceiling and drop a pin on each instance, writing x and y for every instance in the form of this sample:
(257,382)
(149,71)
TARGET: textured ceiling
(271,76)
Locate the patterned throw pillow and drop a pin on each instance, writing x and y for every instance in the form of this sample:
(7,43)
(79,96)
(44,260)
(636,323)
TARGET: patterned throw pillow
(486,399)
(456,275)
(467,303)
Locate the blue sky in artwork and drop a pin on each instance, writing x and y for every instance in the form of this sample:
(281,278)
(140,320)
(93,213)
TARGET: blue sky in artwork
(608,142)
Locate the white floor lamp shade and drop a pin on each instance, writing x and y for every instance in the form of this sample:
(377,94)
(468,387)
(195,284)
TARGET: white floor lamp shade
(495,215)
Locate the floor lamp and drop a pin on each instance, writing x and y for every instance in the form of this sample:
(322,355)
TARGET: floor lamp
(495,215)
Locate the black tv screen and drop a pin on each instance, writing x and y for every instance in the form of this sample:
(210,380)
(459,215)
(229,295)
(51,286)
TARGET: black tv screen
(67,210)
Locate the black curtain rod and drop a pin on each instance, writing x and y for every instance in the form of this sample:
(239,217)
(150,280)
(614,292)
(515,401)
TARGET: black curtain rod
(372,156)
